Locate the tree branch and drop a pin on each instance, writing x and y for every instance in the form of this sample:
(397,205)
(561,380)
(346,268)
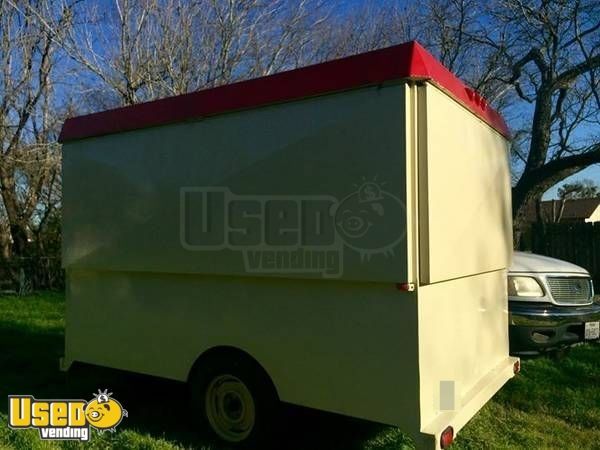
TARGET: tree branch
(569,75)
(558,169)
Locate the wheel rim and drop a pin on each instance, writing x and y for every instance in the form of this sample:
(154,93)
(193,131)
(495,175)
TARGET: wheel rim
(230,408)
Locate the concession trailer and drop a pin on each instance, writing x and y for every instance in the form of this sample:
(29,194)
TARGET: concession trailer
(335,236)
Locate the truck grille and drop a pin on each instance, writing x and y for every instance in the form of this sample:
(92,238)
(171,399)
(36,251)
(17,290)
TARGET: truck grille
(570,290)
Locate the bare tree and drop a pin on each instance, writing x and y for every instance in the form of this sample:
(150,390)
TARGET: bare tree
(291,36)
(29,119)
(117,43)
(368,26)
(141,50)
(551,51)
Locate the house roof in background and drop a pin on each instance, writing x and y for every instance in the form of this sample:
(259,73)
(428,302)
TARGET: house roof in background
(404,61)
(575,209)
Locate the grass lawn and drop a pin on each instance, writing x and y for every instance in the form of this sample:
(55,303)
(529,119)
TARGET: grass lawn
(549,405)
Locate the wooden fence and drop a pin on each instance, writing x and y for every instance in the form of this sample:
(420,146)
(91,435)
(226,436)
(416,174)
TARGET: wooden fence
(578,243)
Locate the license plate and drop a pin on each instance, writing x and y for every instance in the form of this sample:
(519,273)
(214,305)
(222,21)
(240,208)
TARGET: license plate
(592,330)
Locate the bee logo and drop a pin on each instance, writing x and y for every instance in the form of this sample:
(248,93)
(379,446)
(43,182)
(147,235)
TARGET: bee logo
(104,413)
(371,220)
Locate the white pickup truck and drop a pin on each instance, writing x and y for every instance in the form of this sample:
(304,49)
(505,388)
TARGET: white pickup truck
(551,305)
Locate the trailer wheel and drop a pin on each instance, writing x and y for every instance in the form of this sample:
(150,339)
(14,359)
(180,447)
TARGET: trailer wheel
(234,398)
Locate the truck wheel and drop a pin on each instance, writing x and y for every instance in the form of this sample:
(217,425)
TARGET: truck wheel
(235,399)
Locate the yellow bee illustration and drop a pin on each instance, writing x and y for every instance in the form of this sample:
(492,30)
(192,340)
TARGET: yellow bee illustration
(104,413)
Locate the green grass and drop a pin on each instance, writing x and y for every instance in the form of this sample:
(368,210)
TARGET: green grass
(551,404)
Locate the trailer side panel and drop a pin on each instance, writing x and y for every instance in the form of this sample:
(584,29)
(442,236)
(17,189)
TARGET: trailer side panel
(134,201)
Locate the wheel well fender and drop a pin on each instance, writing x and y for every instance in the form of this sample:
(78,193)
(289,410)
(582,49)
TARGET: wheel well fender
(232,353)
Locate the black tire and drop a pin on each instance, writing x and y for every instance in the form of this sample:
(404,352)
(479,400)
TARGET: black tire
(216,379)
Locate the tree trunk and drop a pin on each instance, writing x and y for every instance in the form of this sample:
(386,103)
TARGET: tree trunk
(19,238)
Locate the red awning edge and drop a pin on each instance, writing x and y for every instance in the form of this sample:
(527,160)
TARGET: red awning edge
(405,61)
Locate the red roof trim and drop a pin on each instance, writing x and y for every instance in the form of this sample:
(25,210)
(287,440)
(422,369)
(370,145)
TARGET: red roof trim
(408,60)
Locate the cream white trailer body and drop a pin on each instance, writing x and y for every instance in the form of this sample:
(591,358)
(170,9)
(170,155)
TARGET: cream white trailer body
(351,235)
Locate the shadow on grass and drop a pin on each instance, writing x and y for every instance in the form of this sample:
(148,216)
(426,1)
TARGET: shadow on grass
(568,387)
(156,406)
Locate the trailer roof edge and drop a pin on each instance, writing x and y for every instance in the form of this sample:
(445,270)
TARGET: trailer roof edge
(405,61)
